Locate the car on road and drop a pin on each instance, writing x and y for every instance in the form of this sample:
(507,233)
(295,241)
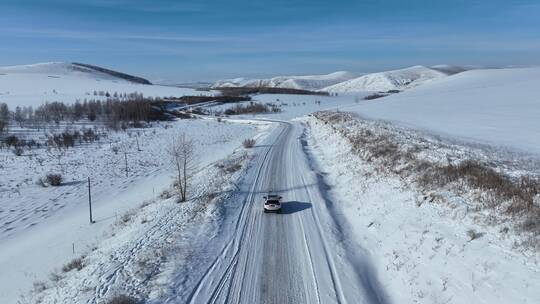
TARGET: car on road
(272,203)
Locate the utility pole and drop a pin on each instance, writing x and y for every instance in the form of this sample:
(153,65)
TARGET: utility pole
(125,157)
(90,201)
(137,138)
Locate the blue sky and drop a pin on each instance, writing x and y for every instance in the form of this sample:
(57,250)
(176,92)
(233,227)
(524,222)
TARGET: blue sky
(208,40)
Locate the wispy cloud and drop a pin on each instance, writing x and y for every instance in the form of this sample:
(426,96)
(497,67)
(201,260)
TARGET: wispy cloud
(142,6)
(88,35)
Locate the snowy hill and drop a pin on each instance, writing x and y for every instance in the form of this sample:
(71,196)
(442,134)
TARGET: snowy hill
(309,82)
(32,85)
(496,106)
(389,80)
(82,70)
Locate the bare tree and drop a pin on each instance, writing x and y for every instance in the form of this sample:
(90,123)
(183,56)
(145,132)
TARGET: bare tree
(4,127)
(181,151)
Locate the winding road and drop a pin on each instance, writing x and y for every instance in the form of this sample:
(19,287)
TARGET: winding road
(300,256)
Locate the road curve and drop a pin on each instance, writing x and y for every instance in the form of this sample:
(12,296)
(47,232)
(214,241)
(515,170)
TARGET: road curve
(299,256)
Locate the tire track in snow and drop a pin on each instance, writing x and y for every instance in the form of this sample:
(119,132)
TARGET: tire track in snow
(236,242)
(296,257)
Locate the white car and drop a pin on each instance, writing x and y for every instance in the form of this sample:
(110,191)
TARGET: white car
(272,203)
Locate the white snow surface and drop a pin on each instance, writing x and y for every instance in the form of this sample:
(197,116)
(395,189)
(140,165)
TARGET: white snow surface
(39,226)
(33,85)
(350,233)
(308,82)
(293,106)
(499,107)
(419,246)
(388,80)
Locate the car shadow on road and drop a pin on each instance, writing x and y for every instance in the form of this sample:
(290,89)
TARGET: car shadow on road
(293,207)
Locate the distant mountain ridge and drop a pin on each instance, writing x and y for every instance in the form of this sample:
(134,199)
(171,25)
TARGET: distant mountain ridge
(389,80)
(342,82)
(307,82)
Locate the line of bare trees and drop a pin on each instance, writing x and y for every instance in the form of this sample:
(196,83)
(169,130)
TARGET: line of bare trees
(115,113)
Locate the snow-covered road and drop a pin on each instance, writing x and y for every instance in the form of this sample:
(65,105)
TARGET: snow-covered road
(299,256)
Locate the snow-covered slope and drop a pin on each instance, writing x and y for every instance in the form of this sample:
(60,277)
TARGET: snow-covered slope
(56,69)
(496,106)
(32,85)
(389,80)
(310,82)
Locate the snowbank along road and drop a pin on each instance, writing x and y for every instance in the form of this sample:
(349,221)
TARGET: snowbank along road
(300,256)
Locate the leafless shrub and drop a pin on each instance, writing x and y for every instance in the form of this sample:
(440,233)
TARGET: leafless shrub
(479,176)
(4,126)
(55,276)
(54,179)
(63,140)
(385,148)
(76,263)
(532,224)
(115,149)
(18,150)
(122,299)
(11,141)
(253,108)
(233,168)
(88,135)
(183,115)
(166,194)
(232,165)
(374,96)
(39,286)
(472,234)
(126,217)
(146,203)
(248,143)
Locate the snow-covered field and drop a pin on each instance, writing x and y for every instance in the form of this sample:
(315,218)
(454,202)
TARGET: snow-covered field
(500,107)
(420,241)
(356,228)
(293,106)
(148,247)
(33,85)
(40,226)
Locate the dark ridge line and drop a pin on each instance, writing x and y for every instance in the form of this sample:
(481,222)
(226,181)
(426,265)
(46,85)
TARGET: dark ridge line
(124,76)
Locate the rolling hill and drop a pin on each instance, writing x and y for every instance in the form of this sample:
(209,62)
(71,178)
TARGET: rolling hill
(389,80)
(493,106)
(309,82)
(35,84)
